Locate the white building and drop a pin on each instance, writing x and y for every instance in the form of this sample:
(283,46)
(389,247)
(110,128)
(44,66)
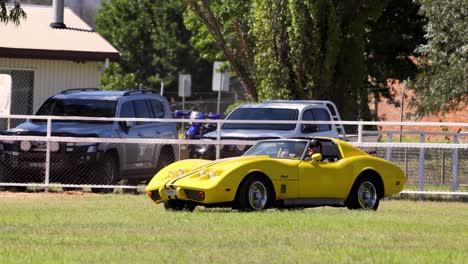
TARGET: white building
(43,61)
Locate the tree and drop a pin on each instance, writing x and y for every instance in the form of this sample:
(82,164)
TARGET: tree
(153,42)
(441,86)
(227,27)
(301,49)
(390,44)
(11,12)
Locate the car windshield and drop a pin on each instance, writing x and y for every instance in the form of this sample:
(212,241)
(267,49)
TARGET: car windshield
(278,149)
(263,114)
(78,107)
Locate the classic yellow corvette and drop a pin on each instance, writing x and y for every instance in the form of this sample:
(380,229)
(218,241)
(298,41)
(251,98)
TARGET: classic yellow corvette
(280,174)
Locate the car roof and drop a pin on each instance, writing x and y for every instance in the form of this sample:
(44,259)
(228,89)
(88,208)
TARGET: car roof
(97,94)
(289,105)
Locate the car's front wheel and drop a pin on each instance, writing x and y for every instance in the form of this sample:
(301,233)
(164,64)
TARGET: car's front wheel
(107,174)
(176,205)
(254,195)
(364,195)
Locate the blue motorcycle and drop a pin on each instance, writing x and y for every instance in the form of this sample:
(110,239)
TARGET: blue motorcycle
(197,129)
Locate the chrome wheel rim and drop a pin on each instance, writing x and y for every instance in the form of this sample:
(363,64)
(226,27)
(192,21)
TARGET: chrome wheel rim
(367,195)
(258,195)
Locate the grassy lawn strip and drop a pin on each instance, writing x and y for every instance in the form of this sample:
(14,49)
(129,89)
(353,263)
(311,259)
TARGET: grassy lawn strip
(128,229)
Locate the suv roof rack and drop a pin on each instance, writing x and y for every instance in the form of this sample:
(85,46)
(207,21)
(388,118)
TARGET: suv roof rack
(129,92)
(75,90)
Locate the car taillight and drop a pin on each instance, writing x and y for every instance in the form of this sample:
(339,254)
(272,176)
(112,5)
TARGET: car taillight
(195,195)
(154,195)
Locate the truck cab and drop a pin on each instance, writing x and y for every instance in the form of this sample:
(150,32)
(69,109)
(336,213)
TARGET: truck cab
(275,110)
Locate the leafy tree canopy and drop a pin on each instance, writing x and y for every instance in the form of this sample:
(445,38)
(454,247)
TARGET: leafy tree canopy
(11,12)
(442,85)
(153,42)
(292,49)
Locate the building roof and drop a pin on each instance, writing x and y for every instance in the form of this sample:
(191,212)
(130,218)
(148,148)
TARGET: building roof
(33,38)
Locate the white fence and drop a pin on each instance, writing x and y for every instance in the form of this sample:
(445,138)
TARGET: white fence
(439,166)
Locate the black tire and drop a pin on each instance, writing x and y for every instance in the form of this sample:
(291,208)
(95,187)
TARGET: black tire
(6,176)
(364,195)
(107,173)
(177,205)
(254,194)
(166,157)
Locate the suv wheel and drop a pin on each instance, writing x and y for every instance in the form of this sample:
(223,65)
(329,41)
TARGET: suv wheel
(107,173)
(166,157)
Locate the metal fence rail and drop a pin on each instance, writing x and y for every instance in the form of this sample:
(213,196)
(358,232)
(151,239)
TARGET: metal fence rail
(435,166)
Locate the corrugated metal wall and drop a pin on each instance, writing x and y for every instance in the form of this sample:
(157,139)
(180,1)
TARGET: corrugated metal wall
(53,76)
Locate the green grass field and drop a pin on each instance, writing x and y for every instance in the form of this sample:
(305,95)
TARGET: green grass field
(60,228)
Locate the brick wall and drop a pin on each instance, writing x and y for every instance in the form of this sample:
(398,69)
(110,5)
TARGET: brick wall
(389,112)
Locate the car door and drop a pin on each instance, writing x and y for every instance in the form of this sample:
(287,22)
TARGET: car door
(325,179)
(144,129)
(159,129)
(137,155)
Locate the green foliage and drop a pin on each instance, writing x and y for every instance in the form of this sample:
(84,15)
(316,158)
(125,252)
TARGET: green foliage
(390,44)
(441,85)
(11,12)
(153,42)
(114,79)
(300,49)
(235,105)
(222,32)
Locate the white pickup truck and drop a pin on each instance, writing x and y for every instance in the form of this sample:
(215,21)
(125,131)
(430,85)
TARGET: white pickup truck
(280,110)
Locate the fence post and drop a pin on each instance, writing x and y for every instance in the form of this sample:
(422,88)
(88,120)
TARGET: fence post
(359,139)
(388,153)
(421,164)
(47,164)
(218,140)
(455,165)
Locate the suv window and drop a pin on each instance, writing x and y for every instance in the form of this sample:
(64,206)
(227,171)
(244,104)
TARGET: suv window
(127,110)
(78,107)
(263,114)
(158,109)
(141,110)
(316,114)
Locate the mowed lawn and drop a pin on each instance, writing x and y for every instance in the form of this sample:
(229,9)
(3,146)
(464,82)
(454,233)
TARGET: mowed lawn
(60,228)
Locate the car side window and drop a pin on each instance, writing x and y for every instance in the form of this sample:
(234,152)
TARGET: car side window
(330,151)
(308,128)
(315,114)
(127,110)
(158,108)
(321,114)
(141,110)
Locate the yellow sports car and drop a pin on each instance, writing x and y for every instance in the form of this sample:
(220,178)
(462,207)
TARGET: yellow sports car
(280,174)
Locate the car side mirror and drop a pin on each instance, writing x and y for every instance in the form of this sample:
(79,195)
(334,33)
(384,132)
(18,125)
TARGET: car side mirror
(126,125)
(316,157)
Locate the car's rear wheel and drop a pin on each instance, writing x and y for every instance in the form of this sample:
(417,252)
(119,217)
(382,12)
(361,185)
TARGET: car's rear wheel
(107,174)
(364,195)
(254,195)
(177,205)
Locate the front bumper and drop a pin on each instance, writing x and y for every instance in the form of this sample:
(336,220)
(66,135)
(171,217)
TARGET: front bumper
(195,195)
(37,160)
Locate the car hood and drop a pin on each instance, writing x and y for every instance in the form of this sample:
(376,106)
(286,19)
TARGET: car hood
(193,172)
(61,129)
(250,134)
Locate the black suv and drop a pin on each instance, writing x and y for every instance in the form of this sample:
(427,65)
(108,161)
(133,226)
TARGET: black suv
(92,163)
